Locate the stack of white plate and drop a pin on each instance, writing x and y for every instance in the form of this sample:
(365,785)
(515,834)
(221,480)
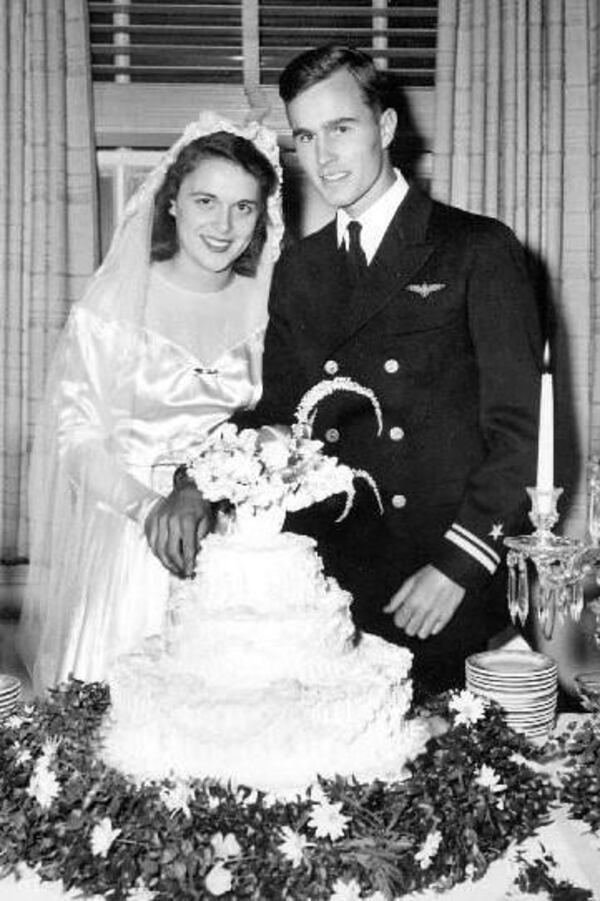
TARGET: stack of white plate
(10,690)
(523,683)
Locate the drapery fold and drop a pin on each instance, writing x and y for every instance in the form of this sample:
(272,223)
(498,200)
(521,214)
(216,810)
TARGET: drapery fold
(517,137)
(48,216)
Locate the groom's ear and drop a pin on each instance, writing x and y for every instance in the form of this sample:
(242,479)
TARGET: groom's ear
(387,126)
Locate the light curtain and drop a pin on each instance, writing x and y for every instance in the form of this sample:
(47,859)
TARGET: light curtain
(517,137)
(47,219)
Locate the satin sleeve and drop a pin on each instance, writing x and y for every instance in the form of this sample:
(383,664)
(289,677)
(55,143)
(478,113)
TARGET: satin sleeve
(86,421)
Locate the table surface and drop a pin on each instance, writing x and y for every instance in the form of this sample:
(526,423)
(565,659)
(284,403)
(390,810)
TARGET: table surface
(574,848)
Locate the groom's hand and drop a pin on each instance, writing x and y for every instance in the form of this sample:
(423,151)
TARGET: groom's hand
(425,603)
(175,526)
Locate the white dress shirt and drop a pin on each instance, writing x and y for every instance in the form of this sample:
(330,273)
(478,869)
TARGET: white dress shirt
(376,219)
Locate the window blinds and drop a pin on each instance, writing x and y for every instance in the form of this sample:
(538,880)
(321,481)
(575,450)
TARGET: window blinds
(248,42)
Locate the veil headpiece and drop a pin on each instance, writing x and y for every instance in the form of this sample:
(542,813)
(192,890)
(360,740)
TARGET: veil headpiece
(118,288)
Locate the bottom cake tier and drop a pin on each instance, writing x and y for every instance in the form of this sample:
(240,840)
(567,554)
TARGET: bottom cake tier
(278,738)
(261,679)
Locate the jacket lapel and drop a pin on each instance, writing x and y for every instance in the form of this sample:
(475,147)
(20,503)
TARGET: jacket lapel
(402,252)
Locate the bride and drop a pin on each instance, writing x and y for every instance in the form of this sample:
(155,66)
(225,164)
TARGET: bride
(165,345)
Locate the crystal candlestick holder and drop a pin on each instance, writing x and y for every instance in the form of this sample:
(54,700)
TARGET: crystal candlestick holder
(561,564)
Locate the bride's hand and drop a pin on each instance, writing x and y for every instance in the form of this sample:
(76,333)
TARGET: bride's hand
(175,526)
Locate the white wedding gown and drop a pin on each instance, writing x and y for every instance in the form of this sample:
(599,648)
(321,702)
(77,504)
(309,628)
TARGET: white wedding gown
(131,404)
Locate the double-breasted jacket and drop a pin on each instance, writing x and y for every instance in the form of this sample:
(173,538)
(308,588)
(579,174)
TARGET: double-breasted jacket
(444,329)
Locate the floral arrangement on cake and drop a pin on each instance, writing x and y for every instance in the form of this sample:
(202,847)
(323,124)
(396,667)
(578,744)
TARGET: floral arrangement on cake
(70,817)
(283,469)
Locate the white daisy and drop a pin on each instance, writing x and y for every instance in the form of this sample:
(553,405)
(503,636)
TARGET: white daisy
(43,785)
(102,837)
(225,847)
(489,778)
(293,845)
(469,708)
(328,821)
(345,891)
(429,849)
(177,797)
(140,892)
(218,880)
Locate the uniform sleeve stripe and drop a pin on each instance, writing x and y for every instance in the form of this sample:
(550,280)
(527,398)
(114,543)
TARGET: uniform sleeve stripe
(472,550)
(476,540)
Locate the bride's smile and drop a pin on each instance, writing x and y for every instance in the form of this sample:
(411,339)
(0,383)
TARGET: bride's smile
(216,211)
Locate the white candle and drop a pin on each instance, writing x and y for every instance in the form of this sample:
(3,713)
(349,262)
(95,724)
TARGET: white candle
(545,462)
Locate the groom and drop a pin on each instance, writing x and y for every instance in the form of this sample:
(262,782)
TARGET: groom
(430,307)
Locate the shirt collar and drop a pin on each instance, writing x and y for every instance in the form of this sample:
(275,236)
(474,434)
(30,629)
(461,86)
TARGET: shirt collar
(376,219)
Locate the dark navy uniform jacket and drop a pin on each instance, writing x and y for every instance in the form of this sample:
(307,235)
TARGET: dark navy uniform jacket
(444,329)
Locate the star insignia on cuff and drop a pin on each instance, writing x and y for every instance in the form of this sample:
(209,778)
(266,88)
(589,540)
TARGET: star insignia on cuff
(497,531)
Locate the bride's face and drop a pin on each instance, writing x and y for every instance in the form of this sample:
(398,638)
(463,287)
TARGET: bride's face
(216,210)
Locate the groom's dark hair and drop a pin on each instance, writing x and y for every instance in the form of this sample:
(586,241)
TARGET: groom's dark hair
(314,66)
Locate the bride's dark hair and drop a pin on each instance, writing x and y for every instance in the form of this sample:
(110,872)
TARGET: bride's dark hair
(219,145)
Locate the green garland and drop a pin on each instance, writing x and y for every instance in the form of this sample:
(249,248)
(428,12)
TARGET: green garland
(469,796)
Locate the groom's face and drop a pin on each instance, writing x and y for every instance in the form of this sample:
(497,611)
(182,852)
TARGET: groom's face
(342,143)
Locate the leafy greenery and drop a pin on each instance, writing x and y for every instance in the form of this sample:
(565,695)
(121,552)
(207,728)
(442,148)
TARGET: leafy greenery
(440,826)
(580,789)
(536,876)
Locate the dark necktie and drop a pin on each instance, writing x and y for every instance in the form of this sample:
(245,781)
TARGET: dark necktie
(357,261)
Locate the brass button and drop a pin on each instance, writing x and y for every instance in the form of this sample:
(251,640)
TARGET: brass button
(332,435)
(391,366)
(396,433)
(398,501)
(331,367)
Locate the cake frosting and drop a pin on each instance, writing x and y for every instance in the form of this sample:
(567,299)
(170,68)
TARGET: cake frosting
(260,678)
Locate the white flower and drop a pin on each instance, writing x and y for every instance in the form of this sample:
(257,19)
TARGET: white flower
(23,756)
(140,892)
(345,891)
(376,896)
(285,471)
(225,847)
(218,880)
(327,820)
(489,778)
(269,492)
(429,849)
(214,801)
(293,845)
(14,721)
(102,837)
(50,747)
(269,800)
(43,785)
(468,707)
(275,454)
(177,798)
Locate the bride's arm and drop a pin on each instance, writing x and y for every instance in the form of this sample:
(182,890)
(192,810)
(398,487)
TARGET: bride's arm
(85,420)
(86,417)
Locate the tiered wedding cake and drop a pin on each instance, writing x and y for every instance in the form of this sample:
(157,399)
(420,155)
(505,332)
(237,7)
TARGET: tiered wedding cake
(260,677)
(260,680)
